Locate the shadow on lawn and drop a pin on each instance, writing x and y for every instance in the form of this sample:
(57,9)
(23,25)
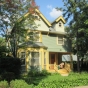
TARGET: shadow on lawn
(35,76)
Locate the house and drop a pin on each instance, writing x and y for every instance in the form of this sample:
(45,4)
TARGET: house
(49,47)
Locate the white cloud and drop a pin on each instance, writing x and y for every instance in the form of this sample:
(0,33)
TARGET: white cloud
(54,13)
(49,7)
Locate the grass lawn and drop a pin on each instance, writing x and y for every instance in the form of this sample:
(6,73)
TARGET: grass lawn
(58,81)
(53,80)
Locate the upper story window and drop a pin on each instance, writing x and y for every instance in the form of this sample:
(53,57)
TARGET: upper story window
(37,36)
(34,37)
(60,40)
(60,24)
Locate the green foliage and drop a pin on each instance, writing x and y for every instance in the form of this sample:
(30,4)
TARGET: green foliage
(54,80)
(78,25)
(44,73)
(35,76)
(3,49)
(14,21)
(19,84)
(4,84)
(34,73)
(10,66)
(75,10)
(58,81)
(8,76)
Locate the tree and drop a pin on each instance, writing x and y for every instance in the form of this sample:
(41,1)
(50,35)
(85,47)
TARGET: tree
(12,10)
(12,17)
(3,49)
(77,10)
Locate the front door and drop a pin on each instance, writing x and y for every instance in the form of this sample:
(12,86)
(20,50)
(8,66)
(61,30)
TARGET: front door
(52,60)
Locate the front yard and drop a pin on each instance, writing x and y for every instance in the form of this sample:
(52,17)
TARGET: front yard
(53,80)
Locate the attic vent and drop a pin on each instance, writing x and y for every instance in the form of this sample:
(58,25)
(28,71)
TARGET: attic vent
(59,24)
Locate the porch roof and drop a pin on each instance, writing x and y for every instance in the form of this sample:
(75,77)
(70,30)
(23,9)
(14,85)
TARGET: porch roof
(33,44)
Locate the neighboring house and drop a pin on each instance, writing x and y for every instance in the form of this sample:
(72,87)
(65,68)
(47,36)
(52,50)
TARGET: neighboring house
(49,46)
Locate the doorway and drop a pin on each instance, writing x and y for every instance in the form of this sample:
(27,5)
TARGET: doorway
(52,60)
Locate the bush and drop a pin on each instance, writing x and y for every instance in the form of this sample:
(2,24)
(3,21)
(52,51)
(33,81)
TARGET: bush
(10,65)
(4,84)
(44,73)
(8,76)
(19,84)
(35,76)
(34,73)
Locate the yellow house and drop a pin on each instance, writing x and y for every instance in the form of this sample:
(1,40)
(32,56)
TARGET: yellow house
(49,47)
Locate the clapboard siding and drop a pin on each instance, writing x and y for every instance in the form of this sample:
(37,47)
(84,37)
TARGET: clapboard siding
(51,43)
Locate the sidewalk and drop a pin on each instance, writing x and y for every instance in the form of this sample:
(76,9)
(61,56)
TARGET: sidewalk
(82,87)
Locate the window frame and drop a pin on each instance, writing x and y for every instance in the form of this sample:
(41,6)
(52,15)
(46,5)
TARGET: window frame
(60,24)
(33,56)
(60,39)
(32,37)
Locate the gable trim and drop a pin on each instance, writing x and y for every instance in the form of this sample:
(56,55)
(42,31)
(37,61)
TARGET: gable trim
(39,13)
(58,19)
(42,16)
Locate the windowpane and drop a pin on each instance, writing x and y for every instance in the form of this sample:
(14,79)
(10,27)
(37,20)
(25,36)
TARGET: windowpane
(59,24)
(60,39)
(34,37)
(35,58)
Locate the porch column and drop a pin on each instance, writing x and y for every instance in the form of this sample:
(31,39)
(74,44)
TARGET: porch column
(47,60)
(71,61)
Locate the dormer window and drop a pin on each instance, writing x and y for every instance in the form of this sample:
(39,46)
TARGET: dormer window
(59,24)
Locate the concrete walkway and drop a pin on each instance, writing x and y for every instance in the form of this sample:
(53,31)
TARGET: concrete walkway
(82,87)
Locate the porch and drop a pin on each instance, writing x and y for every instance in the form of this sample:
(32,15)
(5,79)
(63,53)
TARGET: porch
(56,58)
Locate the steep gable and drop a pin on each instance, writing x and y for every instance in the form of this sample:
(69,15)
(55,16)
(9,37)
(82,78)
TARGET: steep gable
(43,22)
(58,24)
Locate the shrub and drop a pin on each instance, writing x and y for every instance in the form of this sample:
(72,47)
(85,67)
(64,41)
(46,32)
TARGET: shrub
(34,73)
(10,65)
(19,84)
(44,73)
(34,76)
(4,84)
(8,76)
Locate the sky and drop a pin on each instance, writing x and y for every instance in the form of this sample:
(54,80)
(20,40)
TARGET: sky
(47,8)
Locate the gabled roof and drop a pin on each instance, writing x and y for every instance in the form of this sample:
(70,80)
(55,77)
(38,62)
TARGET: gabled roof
(42,16)
(58,19)
(39,14)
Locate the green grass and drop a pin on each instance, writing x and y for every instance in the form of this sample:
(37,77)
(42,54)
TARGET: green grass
(53,80)
(58,81)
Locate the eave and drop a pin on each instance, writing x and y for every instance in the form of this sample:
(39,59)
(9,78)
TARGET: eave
(58,19)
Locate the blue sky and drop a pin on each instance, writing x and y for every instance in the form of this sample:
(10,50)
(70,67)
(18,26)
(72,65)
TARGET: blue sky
(47,8)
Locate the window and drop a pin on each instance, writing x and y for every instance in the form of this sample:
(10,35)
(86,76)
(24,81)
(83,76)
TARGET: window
(23,58)
(35,58)
(37,36)
(60,40)
(59,24)
(34,36)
